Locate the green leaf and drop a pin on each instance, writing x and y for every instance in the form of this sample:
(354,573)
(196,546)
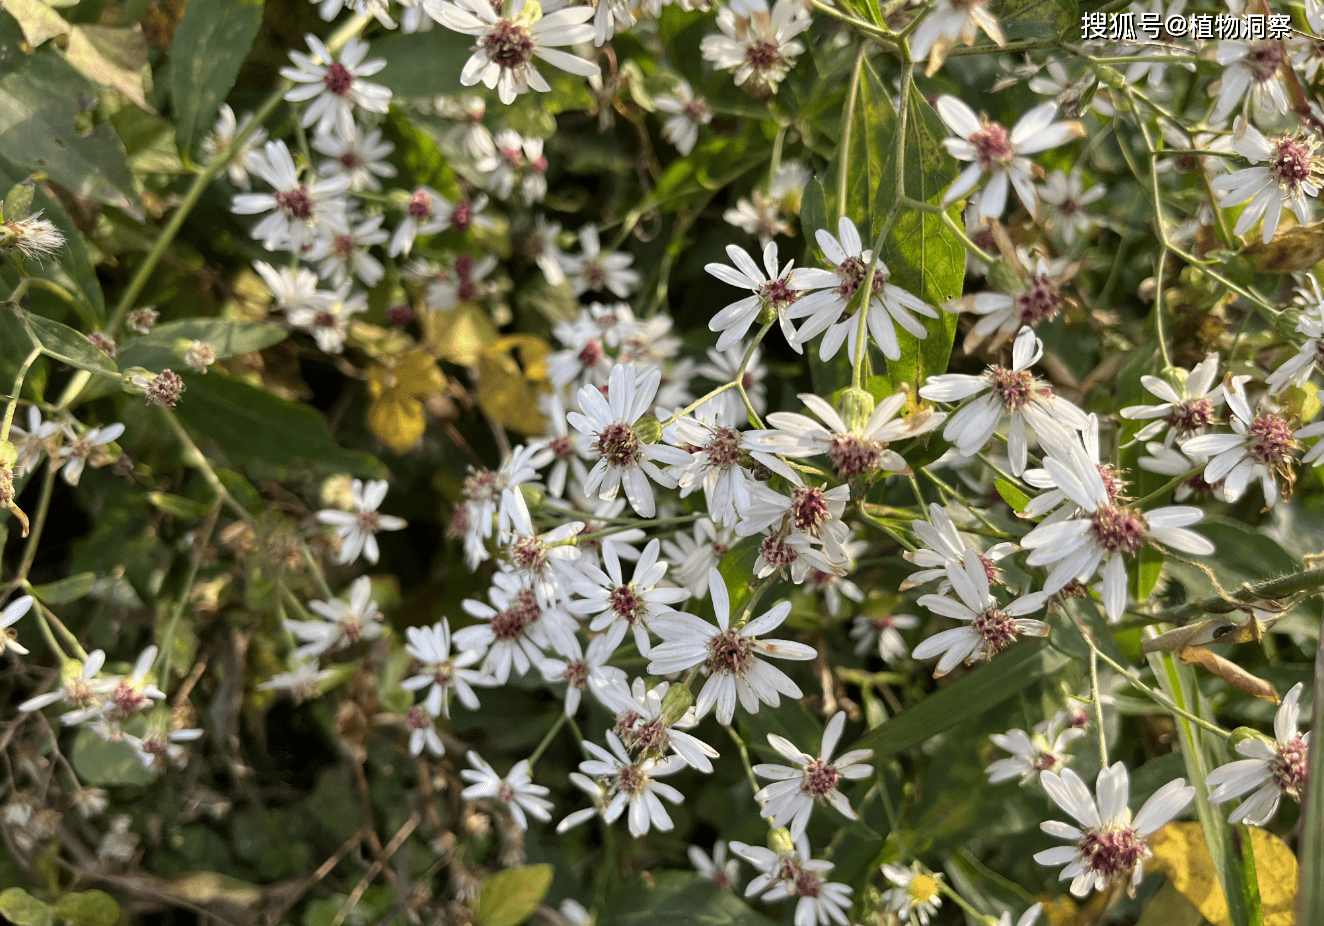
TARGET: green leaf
(22,909)
(112,57)
(873,131)
(423,64)
(968,697)
(39,110)
(98,762)
(737,568)
(62,343)
(187,508)
(813,210)
(88,908)
(210,45)
(679,897)
(249,423)
(509,897)
(155,350)
(18,201)
(65,590)
(924,257)
(1011,495)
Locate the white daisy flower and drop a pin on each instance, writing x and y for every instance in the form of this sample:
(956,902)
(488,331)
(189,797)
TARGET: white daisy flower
(809,511)
(78,449)
(623,456)
(426,213)
(1289,172)
(1102,531)
(621,606)
(546,561)
(343,257)
(358,528)
(729,655)
(131,694)
(516,791)
(722,871)
(916,895)
(1184,413)
(440,672)
(794,874)
(694,555)
(1251,76)
(303,683)
(632,785)
(1068,203)
(223,135)
(79,689)
(1014,392)
(790,799)
(882,633)
(159,747)
(510,36)
(358,154)
(32,442)
(1310,357)
(774,293)
(422,728)
(514,629)
(579,670)
(335,86)
(1269,770)
(1001,154)
(990,628)
(1035,298)
(299,211)
(951,22)
(294,287)
(640,725)
(1262,446)
(688,112)
(715,455)
(1041,750)
(1108,846)
(341,624)
(724,367)
(541,247)
(944,546)
(8,618)
(329,324)
(889,304)
(592,270)
(757,44)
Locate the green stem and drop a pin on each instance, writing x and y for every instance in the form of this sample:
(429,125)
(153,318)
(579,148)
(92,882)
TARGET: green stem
(847,121)
(547,739)
(1165,702)
(18,387)
(168,639)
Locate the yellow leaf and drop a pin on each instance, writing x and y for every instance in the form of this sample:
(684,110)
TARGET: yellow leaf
(459,335)
(1290,250)
(1181,854)
(507,393)
(37,20)
(396,414)
(1065,911)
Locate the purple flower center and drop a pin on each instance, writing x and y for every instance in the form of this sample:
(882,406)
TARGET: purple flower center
(338,79)
(1271,440)
(997,629)
(852,271)
(764,56)
(1289,769)
(1040,302)
(1113,852)
(295,203)
(1265,59)
(508,44)
(1118,530)
(777,294)
(776,553)
(730,652)
(809,509)
(420,206)
(1014,388)
(819,779)
(618,444)
(1191,415)
(723,449)
(369,522)
(992,146)
(627,605)
(853,456)
(529,553)
(513,621)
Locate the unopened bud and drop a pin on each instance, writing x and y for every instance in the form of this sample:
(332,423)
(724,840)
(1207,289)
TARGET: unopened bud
(8,454)
(767,315)
(198,355)
(1241,734)
(1111,77)
(141,320)
(1003,278)
(779,841)
(677,701)
(534,497)
(648,429)
(856,407)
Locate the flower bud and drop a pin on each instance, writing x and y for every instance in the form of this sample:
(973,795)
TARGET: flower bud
(1003,278)
(1241,734)
(856,407)
(534,497)
(8,454)
(648,429)
(142,319)
(1111,77)
(677,701)
(779,841)
(767,315)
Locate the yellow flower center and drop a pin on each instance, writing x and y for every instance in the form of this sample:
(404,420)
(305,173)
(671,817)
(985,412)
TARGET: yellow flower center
(922,889)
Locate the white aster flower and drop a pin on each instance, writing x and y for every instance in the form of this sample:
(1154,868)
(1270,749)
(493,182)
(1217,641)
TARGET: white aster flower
(358,528)
(756,43)
(1041,750)
(948,23)
(8,618)
(794,874)
(993,150)
(1288,172)
(1262,446)
(78,449)
(80,689)
(303,683)
(579,669)
(342,257)
(621,606)
(688,112)
(1310,357)
(299,211)
(631,784)
(641,727)
(774,293)
(1035,298)
(694,555)
(1067,201)
(223,135)
(329,325)
(944,546)
(1108,846)
(1251,76)
(593,270)
(729,655)
(516,791)
(514,629)
(990,627)
(422,728)
(34,441)
(882,632)
(722,871)
(510,36)
(342,624)
(715,453)
(335,86)
(889,304)
(358,154)
(426,213)
(790,799)
(624,458)
(440,672)
(1015,392)
(1269,770)
(1184,413)
(724,367)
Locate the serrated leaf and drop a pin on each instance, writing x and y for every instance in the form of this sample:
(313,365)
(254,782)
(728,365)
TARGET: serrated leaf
(40,104)
(104,764)
(68,589)
(679,897)
(155,350)
(22,909)
(88,908)
(62,343)
(423,64)
(968,697)
(924,257)
(1011,495)
(509,897)
(210,44)
(249,423)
